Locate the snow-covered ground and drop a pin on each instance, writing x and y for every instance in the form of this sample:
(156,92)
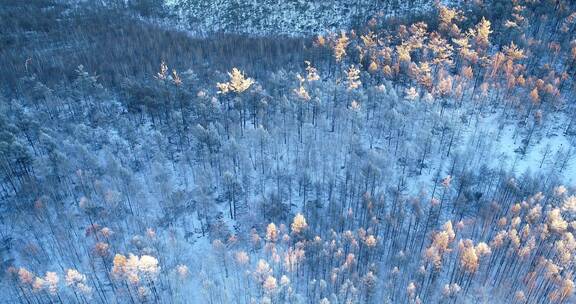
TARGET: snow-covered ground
(293,18)
(511,147)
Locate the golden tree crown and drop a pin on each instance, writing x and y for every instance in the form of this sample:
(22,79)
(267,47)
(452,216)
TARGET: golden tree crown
(238,83)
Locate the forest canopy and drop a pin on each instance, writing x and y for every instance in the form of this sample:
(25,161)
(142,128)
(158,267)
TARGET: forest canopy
(418,152)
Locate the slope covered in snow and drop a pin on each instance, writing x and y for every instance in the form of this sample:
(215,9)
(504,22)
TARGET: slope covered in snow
(290,17)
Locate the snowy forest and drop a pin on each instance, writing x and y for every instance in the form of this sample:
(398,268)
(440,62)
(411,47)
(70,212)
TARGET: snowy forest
(296,151)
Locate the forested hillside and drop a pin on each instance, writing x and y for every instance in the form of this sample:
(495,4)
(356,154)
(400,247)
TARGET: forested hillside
(421,155)
(290,17)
